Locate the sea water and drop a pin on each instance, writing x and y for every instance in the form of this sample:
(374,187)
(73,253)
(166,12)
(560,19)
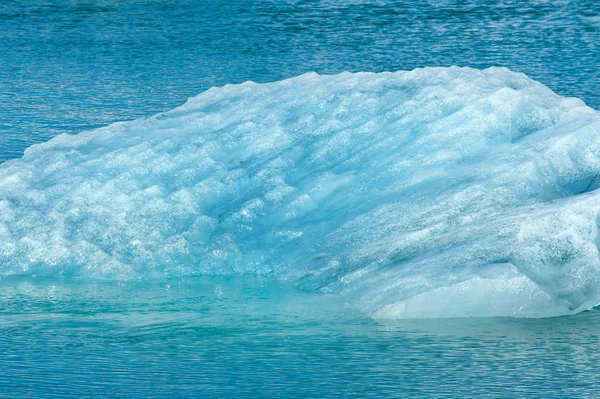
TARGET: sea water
(288,284)
(217,337)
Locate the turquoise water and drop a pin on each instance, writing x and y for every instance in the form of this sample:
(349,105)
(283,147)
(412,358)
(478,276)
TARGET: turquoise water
(68,66)
(249,337)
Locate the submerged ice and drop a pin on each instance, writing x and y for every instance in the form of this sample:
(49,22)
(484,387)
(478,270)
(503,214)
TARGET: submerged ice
(434,192)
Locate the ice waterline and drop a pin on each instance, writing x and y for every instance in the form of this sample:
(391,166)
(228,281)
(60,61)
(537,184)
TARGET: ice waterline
(431,193)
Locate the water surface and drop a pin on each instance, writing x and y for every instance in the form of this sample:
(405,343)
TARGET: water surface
(69,66)
(249,337)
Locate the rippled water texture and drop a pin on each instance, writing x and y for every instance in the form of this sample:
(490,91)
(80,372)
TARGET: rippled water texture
(215,338)
(68,66)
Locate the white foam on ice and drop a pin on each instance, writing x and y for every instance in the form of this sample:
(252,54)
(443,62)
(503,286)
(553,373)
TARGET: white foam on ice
(429,193)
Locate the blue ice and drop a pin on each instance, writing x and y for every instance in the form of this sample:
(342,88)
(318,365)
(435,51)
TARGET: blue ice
(438,192)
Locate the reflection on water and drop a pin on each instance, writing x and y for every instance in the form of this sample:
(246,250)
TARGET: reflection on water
(69,66)
(249,337)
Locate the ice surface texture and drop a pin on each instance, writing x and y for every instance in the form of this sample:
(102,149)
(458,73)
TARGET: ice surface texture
(435,192)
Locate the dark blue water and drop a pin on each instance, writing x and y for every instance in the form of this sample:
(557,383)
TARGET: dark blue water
(69,66)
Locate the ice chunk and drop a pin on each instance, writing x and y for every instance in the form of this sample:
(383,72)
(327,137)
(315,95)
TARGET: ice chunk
(434,192)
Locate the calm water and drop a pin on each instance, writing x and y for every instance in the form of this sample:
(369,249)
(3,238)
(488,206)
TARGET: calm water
(68,66)
(248,337)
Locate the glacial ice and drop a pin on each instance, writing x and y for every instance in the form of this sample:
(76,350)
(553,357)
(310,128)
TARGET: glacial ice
(431,193)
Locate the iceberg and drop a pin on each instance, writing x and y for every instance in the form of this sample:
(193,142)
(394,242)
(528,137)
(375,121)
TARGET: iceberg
(437,192)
